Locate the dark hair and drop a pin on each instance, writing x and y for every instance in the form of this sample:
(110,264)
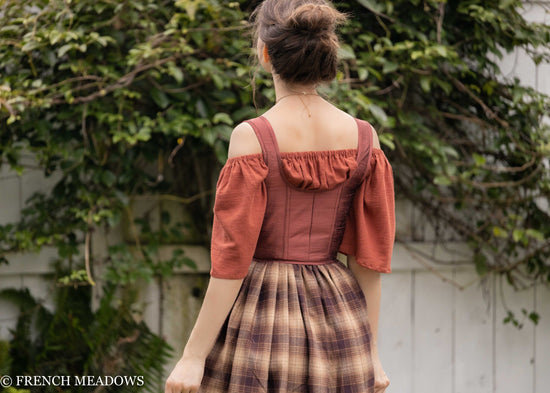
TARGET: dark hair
(301,38)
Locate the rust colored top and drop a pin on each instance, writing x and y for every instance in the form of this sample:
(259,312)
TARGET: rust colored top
(303,207)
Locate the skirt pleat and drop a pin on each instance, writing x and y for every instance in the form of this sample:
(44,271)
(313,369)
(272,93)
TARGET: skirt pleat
(294,328)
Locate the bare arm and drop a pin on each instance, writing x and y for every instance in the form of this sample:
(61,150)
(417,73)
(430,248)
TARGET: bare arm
(221,293)
(187,375)
(218,301)
(370,283)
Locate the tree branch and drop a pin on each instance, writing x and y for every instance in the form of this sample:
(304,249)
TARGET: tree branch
(488,111)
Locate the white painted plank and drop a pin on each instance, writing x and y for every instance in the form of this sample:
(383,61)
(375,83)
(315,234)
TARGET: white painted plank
(403,217)
(8,311)
(542,331)
(534,12)
(394,331)
(5,171)
(41,288)
(198,254)
(542,334)
(519,64)
(421,255)
(10,200)
(181,304)
(33,181)
(419,225)
(433,335)
(149,305)
(543,78)
(30,263)
(473,342)
(514,355)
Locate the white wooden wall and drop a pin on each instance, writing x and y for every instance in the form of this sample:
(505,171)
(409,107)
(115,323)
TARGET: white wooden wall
(26,270)
(441,328)
(440,337)
(444,332)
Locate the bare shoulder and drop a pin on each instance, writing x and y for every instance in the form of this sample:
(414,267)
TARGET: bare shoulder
(344,116)
(243,141)
(375,140)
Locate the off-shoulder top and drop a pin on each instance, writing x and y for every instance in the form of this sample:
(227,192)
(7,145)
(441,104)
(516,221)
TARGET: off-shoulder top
(241,197)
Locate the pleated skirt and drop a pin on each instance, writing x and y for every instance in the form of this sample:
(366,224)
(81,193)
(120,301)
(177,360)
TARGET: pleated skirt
(294,328)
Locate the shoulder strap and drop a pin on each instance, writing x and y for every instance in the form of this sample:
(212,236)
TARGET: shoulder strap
(364,149)
(265,136)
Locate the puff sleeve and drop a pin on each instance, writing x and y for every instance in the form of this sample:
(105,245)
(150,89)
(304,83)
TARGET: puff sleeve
(370,226)
(239,210)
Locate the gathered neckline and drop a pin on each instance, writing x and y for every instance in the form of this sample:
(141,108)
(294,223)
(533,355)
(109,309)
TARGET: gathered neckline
(305,153)
(317,153)
(314,170)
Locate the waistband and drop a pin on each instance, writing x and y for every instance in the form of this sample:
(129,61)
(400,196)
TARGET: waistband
(321,262)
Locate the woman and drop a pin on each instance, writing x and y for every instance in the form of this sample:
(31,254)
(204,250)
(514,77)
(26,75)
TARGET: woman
(302,182)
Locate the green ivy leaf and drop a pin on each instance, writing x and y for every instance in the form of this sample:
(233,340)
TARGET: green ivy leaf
(222,118)
(389,67)
(480,262)
(346,52)
(108,178)
(160,98)
(372,5)
(425,83)
(518,234)
(378,114)
(534,234)
(64,49)
(479,159)
(442,180)
(500,232)
(535,317)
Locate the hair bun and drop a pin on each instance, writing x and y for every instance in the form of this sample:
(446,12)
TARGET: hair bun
(300,37)
(314,18)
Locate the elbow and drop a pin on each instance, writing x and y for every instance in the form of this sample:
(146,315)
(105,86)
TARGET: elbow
(360,270)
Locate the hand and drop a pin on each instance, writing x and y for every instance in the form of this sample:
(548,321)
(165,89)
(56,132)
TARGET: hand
(381,380)
(186,376)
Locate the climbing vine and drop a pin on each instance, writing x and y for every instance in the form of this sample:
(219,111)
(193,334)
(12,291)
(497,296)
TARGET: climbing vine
(468,145)
(131,98)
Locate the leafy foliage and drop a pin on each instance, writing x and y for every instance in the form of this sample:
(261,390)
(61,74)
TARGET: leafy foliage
(468,146)
(73,340)
(104,92)
(133,98)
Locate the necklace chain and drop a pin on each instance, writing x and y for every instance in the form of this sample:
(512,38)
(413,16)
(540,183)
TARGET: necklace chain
(296,94)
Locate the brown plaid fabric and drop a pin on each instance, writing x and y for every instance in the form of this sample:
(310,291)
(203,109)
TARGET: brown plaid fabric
(294,328)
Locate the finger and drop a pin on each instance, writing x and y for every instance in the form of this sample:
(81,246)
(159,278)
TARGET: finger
(380,389)
(383,384)
(193,389)
(173,387)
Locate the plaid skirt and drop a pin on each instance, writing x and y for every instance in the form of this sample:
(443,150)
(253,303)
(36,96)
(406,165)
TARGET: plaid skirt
(294,328)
